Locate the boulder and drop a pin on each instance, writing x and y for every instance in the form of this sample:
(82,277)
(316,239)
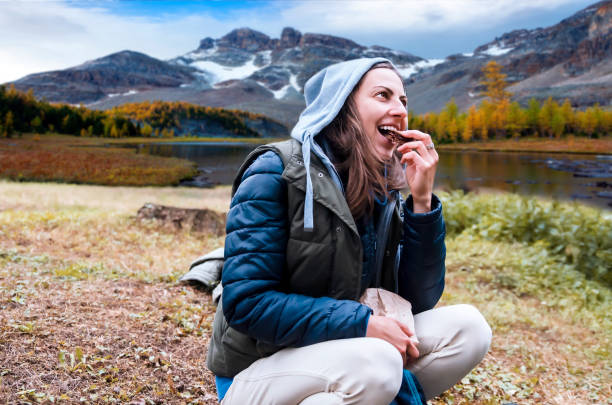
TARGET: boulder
(196,220)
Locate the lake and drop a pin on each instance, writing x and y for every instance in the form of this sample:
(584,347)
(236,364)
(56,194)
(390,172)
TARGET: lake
(587,178)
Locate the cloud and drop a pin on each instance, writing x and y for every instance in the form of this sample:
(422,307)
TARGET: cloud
(40,35)
(410,16)
(48,35)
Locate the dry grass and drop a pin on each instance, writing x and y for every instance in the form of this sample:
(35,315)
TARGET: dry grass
(90,307)
(90,310)
(120,200)
(569,144)
(99,341)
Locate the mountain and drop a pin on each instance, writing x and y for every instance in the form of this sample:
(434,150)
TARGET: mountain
(251,71)
(109,76)
(572,59)
(244,69)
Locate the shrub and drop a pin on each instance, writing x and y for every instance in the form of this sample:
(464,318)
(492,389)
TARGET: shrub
(580,235)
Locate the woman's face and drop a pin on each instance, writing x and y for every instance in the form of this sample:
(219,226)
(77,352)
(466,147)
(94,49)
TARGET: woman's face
(381,101)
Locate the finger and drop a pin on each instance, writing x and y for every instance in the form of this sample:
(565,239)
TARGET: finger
(415,159)
(420,136)
(420,147)
(412,350)
(405,328)
(413,133)
(433,152)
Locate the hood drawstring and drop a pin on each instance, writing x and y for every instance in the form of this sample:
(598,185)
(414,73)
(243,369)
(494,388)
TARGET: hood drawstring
(308,204)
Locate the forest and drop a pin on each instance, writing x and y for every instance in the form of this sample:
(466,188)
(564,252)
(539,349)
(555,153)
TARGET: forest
(21,112)
(494,118)
(499,117)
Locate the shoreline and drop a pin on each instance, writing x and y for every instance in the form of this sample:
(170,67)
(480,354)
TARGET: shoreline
(470,149)
(581,146)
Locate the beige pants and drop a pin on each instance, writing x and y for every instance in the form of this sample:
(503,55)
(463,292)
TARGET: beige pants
(453,340)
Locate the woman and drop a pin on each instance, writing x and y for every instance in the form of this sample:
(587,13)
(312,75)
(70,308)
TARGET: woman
(313,222)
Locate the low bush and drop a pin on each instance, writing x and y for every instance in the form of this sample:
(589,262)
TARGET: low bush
(580,235)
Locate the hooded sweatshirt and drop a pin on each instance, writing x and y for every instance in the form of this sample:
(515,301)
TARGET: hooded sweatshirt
(325,94)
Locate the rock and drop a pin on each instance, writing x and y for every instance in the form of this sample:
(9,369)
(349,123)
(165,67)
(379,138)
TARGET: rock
(207,43)
(331,41)
(274,77)
(289,38)
(604,194)
(196,220)
(245,39)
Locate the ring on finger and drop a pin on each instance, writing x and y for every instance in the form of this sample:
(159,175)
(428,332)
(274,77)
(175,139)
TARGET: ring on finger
(430,146)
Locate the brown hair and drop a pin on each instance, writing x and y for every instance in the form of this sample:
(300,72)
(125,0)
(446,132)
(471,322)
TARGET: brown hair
(356,160)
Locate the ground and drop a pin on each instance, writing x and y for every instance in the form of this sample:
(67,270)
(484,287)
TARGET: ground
(91,309)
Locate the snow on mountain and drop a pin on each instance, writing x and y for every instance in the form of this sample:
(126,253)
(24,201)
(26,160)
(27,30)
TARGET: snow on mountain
(217,72)
(495,50)
(408,70)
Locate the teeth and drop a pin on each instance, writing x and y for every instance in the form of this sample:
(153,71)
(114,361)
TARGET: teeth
(388,128)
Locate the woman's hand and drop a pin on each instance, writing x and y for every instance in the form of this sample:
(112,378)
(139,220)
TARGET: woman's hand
(421,161)
(394,332)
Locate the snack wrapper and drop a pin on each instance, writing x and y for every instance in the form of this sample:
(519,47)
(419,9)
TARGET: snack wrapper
(386,303)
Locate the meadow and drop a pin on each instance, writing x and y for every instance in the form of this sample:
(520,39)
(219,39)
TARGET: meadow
(91,309)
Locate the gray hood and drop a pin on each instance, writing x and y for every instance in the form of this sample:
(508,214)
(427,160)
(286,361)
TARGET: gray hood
(325,94)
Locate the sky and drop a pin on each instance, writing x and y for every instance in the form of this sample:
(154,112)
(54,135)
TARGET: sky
(37,36)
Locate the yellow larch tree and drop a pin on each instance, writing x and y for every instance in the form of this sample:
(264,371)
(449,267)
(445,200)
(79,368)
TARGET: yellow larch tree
(495,82)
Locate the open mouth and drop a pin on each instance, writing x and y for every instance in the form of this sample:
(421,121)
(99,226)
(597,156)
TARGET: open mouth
(392,134)
(386,130)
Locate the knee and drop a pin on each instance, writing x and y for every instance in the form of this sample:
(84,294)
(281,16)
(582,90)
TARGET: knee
(475,330)
(381,366)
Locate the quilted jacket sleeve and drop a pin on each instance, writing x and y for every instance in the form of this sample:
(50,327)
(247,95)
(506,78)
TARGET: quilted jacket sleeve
(422,268)
(253,301)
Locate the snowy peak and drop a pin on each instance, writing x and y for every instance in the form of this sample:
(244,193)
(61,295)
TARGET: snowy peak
(281,65)
(593,21)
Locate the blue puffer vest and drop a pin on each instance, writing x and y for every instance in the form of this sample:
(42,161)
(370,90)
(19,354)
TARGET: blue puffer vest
(287,287)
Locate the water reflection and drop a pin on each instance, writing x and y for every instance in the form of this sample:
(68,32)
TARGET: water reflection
(218,161)
(523,173)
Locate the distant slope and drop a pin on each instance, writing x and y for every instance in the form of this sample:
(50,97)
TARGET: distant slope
(110,76)
(571,59)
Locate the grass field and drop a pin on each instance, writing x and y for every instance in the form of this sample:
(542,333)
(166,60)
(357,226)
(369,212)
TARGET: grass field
(91,309)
